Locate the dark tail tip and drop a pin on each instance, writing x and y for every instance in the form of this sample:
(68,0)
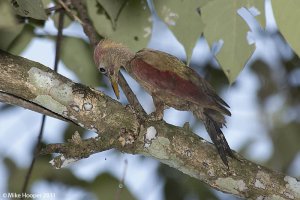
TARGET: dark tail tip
(224,110)
(218,138)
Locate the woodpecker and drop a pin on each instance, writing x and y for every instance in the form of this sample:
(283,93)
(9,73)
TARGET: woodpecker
(171,83)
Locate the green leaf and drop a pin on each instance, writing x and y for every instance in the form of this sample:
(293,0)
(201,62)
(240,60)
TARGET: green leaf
(101,21)
(112,8)
(29,8)
(7,18)
(285,139)
(287,17)
(223,23)
(133,26)
(47,2)
(8,35)
(179,186)
(43,172)
(67,20)
(183,17)
(21,42)
(105,186)
(77,56)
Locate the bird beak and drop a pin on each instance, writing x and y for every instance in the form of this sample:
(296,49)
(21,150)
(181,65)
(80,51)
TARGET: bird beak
(114,84)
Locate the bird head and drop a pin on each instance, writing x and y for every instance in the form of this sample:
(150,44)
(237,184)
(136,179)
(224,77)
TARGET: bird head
(109,57)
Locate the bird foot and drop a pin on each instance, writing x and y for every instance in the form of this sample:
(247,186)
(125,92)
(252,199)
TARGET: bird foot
(187,126)
(155,116)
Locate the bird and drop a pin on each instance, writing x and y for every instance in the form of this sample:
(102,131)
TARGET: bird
(171,83)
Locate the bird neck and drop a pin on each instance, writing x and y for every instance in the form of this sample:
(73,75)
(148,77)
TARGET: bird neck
(121,57)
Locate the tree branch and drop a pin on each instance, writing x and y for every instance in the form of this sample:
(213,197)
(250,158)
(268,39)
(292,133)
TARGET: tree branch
(87,24)
(121,129)
(13,100)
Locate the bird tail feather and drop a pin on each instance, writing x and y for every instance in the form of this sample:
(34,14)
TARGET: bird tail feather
(220,104)
(214,130)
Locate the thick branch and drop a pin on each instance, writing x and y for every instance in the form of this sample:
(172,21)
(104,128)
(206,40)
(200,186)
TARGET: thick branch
(120,129)
(13,100)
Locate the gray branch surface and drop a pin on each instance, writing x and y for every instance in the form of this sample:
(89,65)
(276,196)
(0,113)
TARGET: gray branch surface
(33,86)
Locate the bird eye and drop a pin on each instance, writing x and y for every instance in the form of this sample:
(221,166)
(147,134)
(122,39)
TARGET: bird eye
(102,70)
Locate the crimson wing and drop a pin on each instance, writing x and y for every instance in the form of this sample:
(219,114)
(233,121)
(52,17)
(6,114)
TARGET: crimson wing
(158,70)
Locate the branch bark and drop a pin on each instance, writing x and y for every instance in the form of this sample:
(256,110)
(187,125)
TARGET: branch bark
(119,127)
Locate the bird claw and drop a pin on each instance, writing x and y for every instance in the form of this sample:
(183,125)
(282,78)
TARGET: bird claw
(154,116)
(187,126)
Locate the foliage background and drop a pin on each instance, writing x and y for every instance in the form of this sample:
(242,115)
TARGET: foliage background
(264,98)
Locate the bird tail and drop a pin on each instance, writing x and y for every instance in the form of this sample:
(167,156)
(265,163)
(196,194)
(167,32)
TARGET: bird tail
(213,127)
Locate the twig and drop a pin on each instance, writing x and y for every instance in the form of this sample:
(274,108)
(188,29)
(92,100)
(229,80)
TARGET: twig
(36,152)
(121,184)
(54,8)
(67,9)
(86,23)
(59,39)
(70,149)
(132,99)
